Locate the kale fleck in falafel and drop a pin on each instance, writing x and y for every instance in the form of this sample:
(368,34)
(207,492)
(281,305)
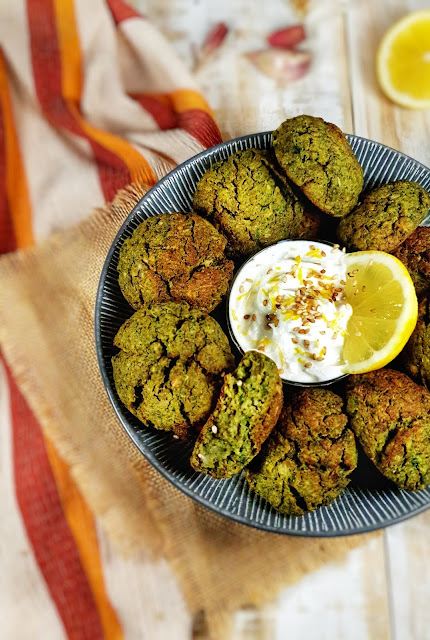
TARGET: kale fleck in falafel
(385,218)
(416,354)
(249,201)
(317,157)
(169,369)
(174,256)
(414,252)
(390,415)
(245,414)
(307,460)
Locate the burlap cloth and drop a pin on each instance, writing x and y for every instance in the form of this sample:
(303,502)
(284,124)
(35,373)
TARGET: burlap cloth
(47,336)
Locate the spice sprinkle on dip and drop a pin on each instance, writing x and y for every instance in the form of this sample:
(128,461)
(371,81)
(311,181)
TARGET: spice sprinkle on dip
(288,301)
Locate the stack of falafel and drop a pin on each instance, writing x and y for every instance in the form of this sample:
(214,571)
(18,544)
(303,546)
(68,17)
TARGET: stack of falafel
(175,370)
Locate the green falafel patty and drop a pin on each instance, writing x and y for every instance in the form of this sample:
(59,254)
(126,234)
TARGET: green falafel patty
(390,415)
(414,252)
(174,256)
(307,460)
(169,369)
(416,354)
(385,218)
(316,156)
(245,414)
(249,201)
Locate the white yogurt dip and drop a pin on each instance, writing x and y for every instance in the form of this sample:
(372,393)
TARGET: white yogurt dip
(288,301)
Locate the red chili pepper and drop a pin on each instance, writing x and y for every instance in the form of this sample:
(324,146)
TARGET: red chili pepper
(288,37)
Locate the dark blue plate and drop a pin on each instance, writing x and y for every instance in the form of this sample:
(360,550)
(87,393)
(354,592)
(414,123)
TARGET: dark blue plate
(370,502)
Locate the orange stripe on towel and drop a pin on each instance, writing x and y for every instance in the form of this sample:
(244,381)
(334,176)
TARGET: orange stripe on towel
(47,529)
(81,523)
(15,194)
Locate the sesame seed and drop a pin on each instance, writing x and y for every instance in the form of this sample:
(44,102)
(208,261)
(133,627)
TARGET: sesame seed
(312,247)
(265,303)
(214,429)
(324,351)
(241,289)
(307,365)
(276,322)
(372,310)
(358,333)
(239,383)
(249,280)
(294,340)
(323,254)
(253,317)
(175,436)
(370,263)
(363,288)
(322,333)
(342,282)
(246,317)
(269,271)
(322,270)
(306,343)
(268,327)
(354,284)
(336,246)
(280,371)
(261,347)
(200,455)
(344,250)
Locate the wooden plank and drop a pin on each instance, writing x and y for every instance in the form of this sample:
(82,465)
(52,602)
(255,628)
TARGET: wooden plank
(408,554)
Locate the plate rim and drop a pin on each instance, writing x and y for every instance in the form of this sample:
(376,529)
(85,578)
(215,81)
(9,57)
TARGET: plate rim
(130,430)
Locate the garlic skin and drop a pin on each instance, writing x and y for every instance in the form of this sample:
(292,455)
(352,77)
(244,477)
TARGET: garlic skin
(283,65)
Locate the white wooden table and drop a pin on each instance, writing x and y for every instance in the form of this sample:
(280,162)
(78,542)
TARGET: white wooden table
(382,589)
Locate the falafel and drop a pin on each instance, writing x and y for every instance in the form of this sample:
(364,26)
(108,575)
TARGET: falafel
(390,415)
(249,201)
(416,354)
(169,369)
(385,218)
(246,412)
(317,157)
(310,225)
(414,252)
(307,460)
(174,256)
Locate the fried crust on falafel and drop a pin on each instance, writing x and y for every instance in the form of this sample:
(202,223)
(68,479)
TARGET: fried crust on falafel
(249,201)
(307,460)
(174,256)
(317,157)
(169,369)
(416,354)
(385,218)
(390,415)
(414,252)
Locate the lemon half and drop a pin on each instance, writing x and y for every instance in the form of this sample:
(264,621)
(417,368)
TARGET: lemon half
(403,61)
(382,295)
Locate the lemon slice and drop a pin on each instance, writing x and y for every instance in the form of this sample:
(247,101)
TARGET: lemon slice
(403,61)
(384,303)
